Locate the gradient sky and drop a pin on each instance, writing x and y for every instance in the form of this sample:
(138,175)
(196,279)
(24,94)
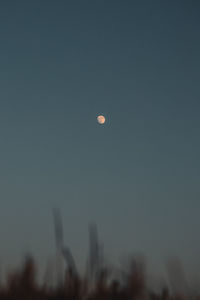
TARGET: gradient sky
(61,64)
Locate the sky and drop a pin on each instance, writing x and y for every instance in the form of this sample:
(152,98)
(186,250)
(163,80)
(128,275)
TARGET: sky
(62,63)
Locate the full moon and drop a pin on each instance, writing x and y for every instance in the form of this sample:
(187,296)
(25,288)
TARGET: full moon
(101,119)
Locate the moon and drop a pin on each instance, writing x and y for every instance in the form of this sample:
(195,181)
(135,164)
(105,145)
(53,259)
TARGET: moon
(101,119)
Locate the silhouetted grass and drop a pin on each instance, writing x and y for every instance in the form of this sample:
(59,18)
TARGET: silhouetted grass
(97,284)
(22,284)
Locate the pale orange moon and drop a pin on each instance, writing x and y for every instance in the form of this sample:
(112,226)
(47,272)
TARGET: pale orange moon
(101,119)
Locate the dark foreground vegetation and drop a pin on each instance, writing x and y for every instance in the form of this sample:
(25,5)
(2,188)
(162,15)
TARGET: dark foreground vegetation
(98,283)
(22,284)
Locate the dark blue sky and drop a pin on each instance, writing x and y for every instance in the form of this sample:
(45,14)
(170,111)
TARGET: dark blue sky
(61,64)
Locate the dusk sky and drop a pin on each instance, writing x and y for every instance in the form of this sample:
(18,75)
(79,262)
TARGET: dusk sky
(62,63)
